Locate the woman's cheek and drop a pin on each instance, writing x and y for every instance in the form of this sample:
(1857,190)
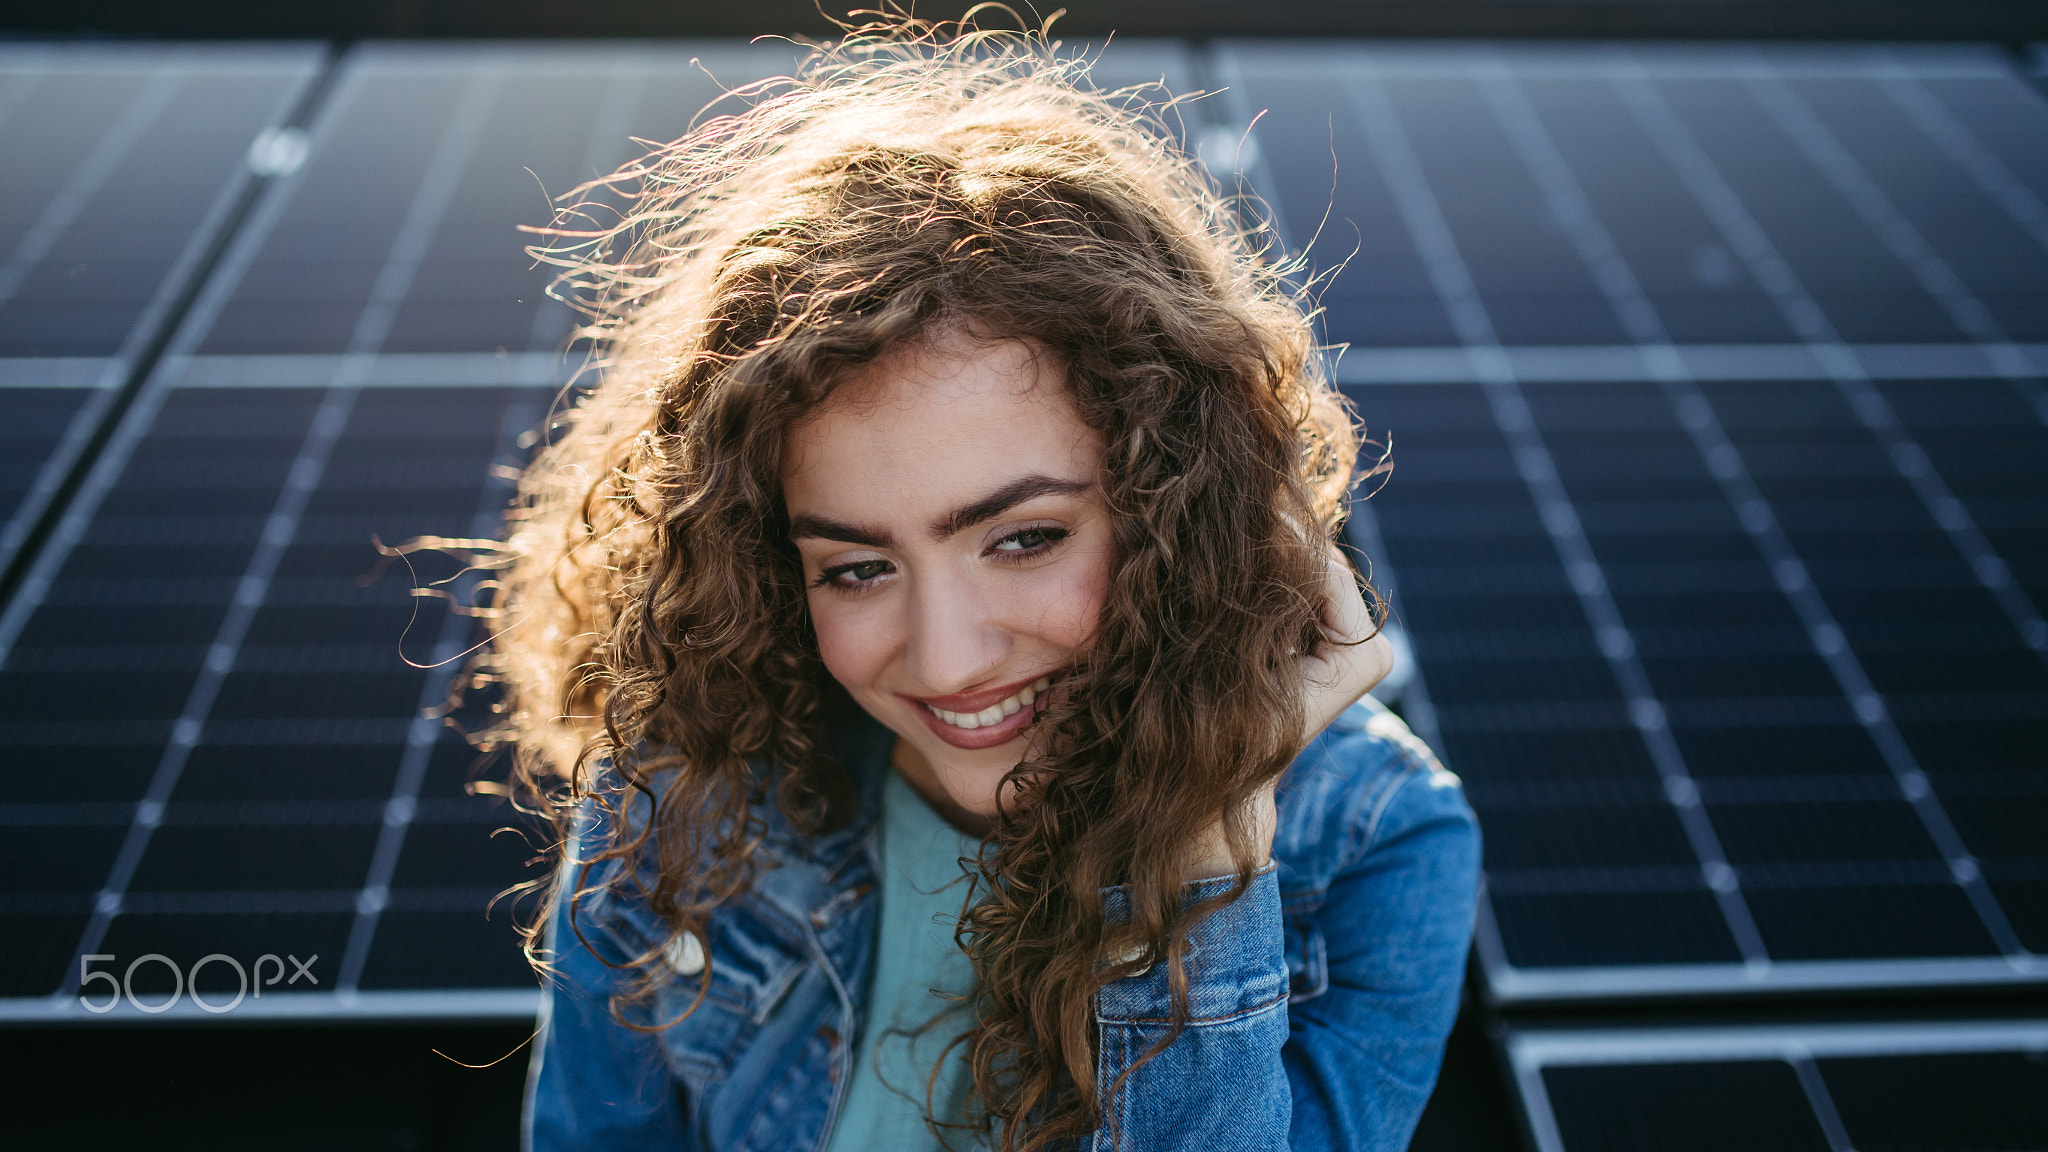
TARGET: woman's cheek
(1074,609)
(849,655)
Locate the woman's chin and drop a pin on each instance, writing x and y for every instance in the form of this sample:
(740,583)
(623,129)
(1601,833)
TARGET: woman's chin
(971,788)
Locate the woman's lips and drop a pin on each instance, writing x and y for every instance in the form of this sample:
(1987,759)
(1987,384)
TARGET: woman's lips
(985,734)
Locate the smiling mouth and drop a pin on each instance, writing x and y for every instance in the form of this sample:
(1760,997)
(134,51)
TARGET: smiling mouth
(995,713)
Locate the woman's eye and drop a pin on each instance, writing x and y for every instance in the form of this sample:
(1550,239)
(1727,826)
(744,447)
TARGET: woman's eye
(1030,540)
(852,575)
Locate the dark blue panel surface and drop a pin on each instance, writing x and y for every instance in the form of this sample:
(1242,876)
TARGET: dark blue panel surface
(122,164)
(1689,1107)
(1701,646)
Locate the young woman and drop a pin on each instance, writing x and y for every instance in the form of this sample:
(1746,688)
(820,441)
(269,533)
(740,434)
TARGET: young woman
(928,640)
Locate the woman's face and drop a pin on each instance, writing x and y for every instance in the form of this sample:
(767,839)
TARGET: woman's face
(954,538)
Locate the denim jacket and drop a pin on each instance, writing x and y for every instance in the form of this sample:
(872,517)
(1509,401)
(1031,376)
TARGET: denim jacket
(1319,999)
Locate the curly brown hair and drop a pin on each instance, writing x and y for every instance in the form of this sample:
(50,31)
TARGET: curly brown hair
(651,629)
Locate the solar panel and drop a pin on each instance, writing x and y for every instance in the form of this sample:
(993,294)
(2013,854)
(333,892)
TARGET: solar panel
(235,760)
(1714,380)
(124,162)
(1956,1086)
(1714,377)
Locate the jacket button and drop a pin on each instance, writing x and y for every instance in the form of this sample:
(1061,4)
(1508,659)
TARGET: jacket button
(1131,955)
(685,954)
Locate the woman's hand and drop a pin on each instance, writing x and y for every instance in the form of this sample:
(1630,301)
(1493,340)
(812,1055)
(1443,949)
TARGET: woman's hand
(1353,658)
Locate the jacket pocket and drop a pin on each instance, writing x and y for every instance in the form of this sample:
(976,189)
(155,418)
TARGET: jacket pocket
(752,966)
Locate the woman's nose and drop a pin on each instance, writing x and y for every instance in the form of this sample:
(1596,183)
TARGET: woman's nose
(955,641)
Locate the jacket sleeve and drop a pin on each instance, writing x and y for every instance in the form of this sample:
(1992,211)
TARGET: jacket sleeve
(595,1085)
(1346,1067)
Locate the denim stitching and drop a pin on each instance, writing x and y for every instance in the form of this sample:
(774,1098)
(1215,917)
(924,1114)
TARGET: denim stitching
(1199,1021)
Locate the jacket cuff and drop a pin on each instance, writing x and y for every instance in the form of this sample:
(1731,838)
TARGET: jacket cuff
(1236,960)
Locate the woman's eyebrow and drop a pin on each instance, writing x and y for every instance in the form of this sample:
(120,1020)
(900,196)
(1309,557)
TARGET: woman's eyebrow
(808,526)
(1002,500)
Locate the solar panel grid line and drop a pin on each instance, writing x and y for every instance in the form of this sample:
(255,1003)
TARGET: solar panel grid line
(1969,313)
(65,372)
(1687,1043)
(379,1007)
(296,900)
(455,642)
(1623,363)
(1747,237)
(1509,986)
(1421,213)
(1565,881)
(429,202)
(1822,1102)
(385,370)
(1539,1120)
(1452,59)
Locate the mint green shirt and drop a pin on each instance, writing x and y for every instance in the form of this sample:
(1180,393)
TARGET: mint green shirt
(908,1027)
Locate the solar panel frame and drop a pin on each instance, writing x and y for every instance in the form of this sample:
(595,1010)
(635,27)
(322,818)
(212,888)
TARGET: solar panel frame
(1808,1052)
(1654,360)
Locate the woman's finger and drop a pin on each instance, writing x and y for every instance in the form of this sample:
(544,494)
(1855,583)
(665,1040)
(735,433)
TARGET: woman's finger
(1355,657)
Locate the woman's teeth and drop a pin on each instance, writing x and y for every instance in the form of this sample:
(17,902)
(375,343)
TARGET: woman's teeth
(994,713)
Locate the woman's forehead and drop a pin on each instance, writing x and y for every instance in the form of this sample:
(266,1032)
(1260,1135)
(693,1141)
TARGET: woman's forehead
(935,418)
(946,366)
